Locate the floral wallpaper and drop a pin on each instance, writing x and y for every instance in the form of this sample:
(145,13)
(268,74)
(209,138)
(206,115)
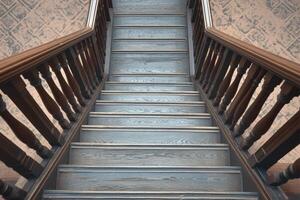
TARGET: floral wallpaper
(273,25)
(29,23)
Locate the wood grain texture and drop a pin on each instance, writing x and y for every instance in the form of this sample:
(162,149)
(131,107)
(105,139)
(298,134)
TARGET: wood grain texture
(149,136)
(149,46)
(149,155)
(156,121)
(124,63)
(149,87)
(167,33)
(149,179)
(150,78)
(149,20)
(149,6)
(149,108)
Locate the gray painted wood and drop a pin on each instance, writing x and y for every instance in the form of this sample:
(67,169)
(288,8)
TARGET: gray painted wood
(149,6)
(149,121)
(148,87)
(149,108)
(154,33)
(149,78)
(150,136)
(142,195)
(149,155)
(149,45)
(124,63)
(150,20)
(149,97)
(149,179)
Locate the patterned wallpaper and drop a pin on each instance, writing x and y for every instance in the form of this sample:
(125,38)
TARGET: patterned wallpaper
(273,25)
(28,23)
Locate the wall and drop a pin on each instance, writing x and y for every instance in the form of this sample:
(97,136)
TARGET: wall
(29,23)
(273,25)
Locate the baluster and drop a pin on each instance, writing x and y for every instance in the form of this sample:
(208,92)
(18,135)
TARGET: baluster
(207,59)
(57,94)
(22,132)
(106,10)
(84,70)
(287,93)
(55,66)
(208,63)
(215,68)
(199,58)
(74,66)
(72,82)
(195,11)
(17,92)
(11,192)
(17,159)
(85,65)
(226,81)
(90,60)
(220,73)
(291,172)
(98,56)
(253,72)
(230,92)
(242,105)
(270,82)
(49,103)
(283,141)
(211,65)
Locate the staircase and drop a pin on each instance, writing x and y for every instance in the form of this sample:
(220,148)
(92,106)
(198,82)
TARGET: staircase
(149,135)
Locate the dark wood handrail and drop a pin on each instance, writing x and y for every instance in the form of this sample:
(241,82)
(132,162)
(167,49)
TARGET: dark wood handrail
(228,72)
(285,68)
(73,68)
(23,61)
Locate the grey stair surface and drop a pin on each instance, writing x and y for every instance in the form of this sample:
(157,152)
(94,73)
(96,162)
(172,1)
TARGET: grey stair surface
(113,195)
(149,135)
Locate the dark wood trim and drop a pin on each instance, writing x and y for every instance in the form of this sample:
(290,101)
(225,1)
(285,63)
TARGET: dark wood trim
(38,184)
(267,192)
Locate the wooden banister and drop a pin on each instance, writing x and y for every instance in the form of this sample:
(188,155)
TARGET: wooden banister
(67,74)
(228,72)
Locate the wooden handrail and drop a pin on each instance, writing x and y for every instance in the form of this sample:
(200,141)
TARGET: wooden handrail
(76,61)
(228,72)
(285,68)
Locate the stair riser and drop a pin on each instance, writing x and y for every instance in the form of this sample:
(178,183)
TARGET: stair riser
(149,121)
(149,6)
(124,63)
(150,79)
(160,46)
(148,87)
(144,137)
(133,108)
(149,98)
(151,33)
(149,156)
(140,20)
(101,180)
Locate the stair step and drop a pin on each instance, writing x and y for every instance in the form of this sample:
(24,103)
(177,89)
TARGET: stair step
(94,178)
(150,20)
(150,96)
(149,45)
(150,120)
(142,195)
(149,87)
(124,63)
(150,78)
(149,33)
(149,136)
(133,107)
(149,155)
(149,6)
